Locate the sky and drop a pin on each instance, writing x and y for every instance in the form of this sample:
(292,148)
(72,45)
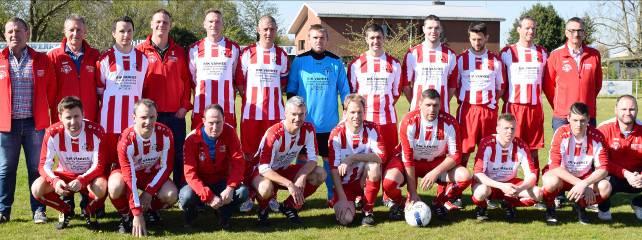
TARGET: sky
(508,10)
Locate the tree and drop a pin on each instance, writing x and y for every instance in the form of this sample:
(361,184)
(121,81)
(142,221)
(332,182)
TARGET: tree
(252,11)
(550,26)
(398,40)
(621,21)
(39,14)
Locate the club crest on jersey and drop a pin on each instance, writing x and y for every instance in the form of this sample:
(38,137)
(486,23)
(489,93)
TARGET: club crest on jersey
(65,68)
(201,156)
(90,69)
(172,58)
(587,66)
(566,67)
(222,149)
(152,58)
(40,72)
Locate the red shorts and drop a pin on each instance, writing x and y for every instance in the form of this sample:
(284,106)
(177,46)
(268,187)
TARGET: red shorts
(496,193)
(529,124)
(475,123)
(393,163)
(142,180)
(423,167)
(68,177)
(252,132)
(288,172)
(390,137)
(352,190)
(197,119)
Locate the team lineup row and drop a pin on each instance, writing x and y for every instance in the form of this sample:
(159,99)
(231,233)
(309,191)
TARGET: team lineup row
(214,168)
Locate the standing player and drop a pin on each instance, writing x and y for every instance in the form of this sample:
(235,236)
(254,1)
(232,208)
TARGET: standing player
(279,146)
(318,76)
(214,166)
(168,83)
(430,65)
(430,149)
(479,88)
(356,152)
(122,71)
(375,75)
(524,64)
(498,160)
(624,138)
(212,62)
(261,72)
(145,154)
(578,163)
(77,144)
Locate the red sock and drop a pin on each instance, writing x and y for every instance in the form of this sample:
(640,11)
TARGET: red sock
(370,195)
(479,203)
(517,202)
(457,189)
(536,162)
(53,200)
(549,197)
(392,191)
(440,198)
(121,204)
(94,203)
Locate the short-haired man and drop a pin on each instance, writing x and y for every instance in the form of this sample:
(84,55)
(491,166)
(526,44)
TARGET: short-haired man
(524,64)
(279,147)
(375,75)
(356,153)
(431,149)
(214,166)
(479,87)
(262,71)
(168,83)
(430,65)
(499,158)
(578,163)
(146,157)
(75,64)
(27,97)
(212,62)
(573,74)
(320,78)
(623,137)
(77,144)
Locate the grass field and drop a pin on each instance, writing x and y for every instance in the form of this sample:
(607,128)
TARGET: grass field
(319,221)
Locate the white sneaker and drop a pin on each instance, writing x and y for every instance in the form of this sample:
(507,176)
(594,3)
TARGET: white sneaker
(246,206)
(592,208)
(492,204)
(604,216)
(388,203)
(540,206)
(274,205)
(638,211)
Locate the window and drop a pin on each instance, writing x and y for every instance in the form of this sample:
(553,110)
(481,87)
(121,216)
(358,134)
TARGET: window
(301,45)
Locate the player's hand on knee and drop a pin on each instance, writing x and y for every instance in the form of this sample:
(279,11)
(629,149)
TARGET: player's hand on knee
(74,185)
(509,189)
(296,193)
(227,195)
(428,180)
(577,192)
(589,196)
(138,227)
(60,187)
(216,202)
(146,201)
(343,168)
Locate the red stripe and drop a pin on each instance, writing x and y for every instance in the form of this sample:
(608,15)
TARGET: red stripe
(61,142)
(126,63)
(214,92)
(528,56)
(214,50)
(467,97)
(146,145)
(377,65)
(266,102)
(226,95)
(388,110)
(417,125)
(492,153)
(201,96)
(139,61)
(517,92)
(418,95)
(75,145)
(479,97)
(201,49)
(364,139)
(252,112)
(135,142)
(124,112)
(491,62)
(431,56)
(364,64)
(514,152)
(428,133)
(440,130)
(356,140)
(112,61)
(266,56)
(442,98)
(89,141)
(578,149)
(279,54)
(277,100)
(282,147)
(540,54)
(444,54)
(135,99)
(376,107)
(302,138)
(465,62)
(504,155)
(538,93)
(159,140)
(478,63)
(529,92)
(343,139)
(253,55)
(111,108)
(420,53)
(228,48)
(514,54)
(388,63)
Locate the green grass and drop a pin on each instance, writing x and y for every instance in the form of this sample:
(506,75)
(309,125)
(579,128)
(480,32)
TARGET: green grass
(319,221)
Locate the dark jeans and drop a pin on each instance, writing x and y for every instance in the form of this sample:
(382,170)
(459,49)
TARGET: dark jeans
(23,133)
(189,200)
(558,122)
(177,125)
(620,185)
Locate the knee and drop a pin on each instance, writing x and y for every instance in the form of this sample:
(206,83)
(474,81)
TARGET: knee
(374,172)
(317,177)
(604,187)
(168,193)
(550,182)
(462,174)
(36,188)
(265,189)
(481,192)
(185,196)
(99,187)
(115,187)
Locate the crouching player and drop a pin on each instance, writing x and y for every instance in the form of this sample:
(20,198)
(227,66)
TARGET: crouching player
(214,166)
(356,151)
(431,149)
(78,146)
(577,163)
(498,159)
(145,154)
(278,149)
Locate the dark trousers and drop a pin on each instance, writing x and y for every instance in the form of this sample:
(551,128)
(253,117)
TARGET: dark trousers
(177,125)
(620,185)
(189,200)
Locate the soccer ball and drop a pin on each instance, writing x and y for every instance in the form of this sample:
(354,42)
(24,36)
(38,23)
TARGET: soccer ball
(418,214)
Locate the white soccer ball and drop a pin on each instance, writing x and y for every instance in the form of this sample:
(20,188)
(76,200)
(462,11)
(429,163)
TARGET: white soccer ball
(418,214)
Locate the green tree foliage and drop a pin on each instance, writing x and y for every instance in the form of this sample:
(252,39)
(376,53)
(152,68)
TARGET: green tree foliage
(398,40)
(550,26)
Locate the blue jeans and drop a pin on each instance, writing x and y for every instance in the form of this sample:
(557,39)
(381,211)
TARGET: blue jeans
(177,125)
(189,200)
(558,122)
(23,133)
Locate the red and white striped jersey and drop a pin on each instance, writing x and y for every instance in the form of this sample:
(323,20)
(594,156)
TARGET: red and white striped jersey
(480,78)
(423,140)
(121,84)
(578,156)
(279,148)
(377,80)
(428,68)
(523,72)
(213,66)
(343,143)
(501,164)
(81,156)
(262,72)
